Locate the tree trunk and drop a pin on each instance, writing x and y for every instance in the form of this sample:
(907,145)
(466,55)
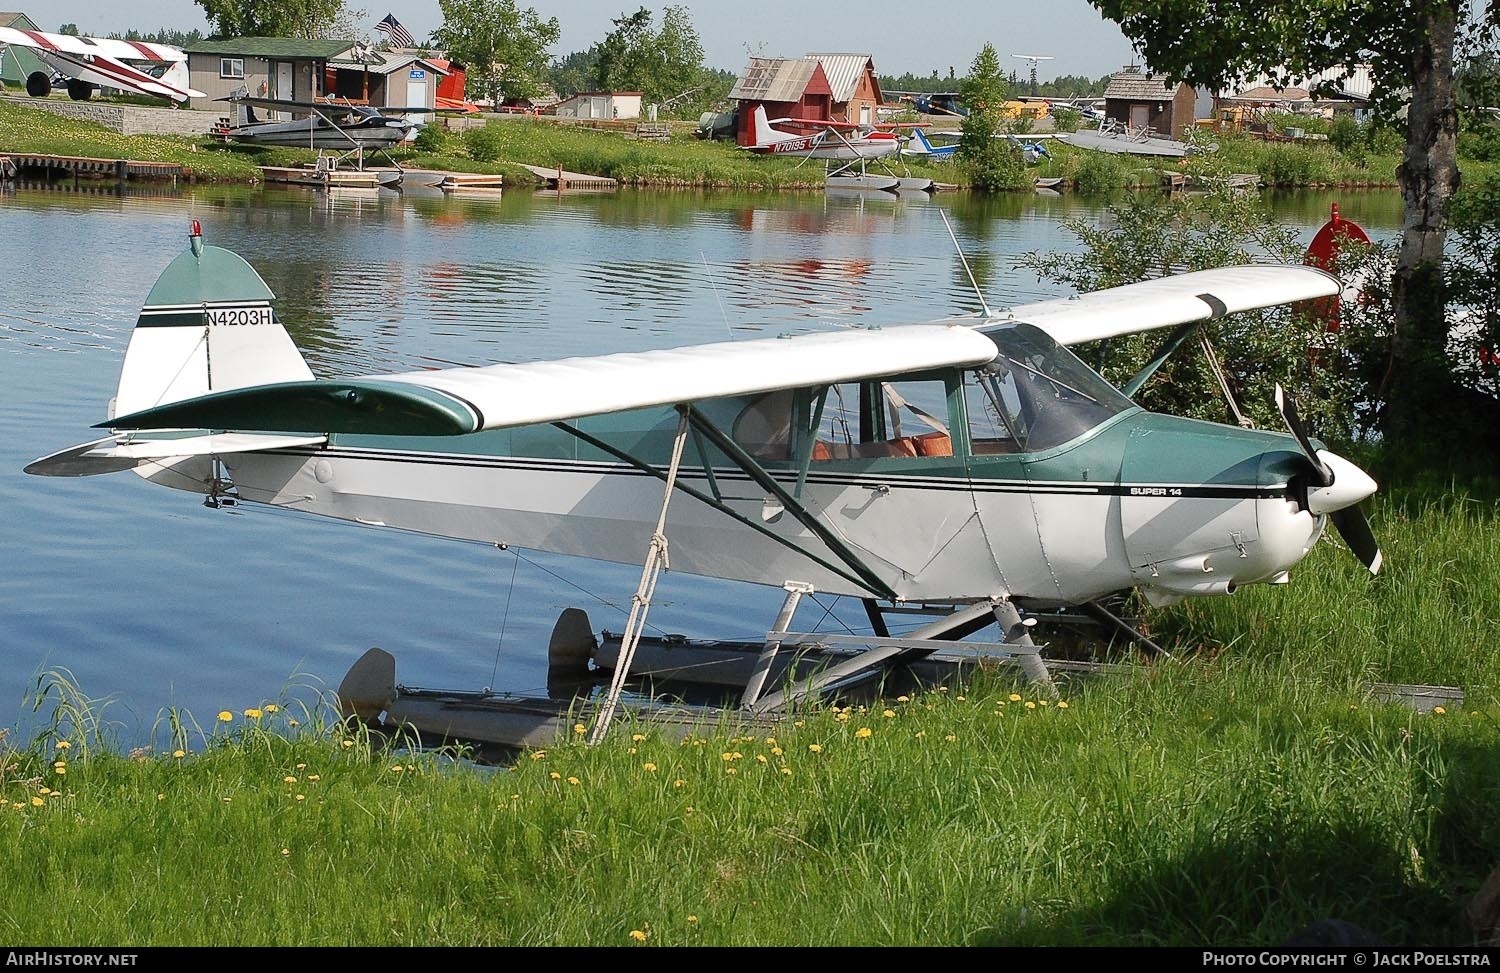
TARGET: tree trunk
(1421,396)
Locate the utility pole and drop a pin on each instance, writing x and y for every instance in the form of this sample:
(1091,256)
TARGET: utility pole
(1033,58)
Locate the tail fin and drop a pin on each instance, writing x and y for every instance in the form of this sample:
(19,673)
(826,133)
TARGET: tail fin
(762,133)
(207,326)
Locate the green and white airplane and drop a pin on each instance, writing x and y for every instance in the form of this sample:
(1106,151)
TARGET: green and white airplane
(971,465)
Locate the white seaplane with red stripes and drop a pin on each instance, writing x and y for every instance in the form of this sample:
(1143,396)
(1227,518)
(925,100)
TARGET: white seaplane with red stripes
(89,63)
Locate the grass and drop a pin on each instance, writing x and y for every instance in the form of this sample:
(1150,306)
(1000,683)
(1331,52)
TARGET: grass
(1227,796)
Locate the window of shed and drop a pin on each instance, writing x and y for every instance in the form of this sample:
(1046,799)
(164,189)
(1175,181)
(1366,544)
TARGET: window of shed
(231,67)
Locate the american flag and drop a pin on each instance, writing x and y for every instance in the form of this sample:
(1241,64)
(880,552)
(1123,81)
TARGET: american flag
(391,27)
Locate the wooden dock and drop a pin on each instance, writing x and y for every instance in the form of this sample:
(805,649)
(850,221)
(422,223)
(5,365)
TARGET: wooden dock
(561,179)
(322,178)
(51,166)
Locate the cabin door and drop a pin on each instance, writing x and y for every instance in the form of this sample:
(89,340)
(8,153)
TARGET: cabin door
(1140,116)
(283,85)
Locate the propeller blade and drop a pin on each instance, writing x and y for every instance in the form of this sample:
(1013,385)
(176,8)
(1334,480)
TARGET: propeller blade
(1284,405)
(1355,530)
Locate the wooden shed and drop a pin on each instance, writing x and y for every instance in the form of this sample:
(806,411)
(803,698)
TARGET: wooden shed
(787,87)
(1142,100)
(855,87)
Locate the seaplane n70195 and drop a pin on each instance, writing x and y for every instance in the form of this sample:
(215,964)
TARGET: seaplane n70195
(971,466)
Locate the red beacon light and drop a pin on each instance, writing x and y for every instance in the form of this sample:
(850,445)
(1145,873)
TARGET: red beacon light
(195,239)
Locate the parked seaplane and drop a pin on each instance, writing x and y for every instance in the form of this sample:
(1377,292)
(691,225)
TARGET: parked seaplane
(335,125)
(87,63)
(828,141)
(970,467)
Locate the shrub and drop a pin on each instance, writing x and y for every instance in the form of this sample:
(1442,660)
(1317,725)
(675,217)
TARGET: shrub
(486,144)
(431,139)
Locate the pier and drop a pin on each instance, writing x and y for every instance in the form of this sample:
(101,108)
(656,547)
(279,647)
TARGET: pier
(561,179)
(18,164)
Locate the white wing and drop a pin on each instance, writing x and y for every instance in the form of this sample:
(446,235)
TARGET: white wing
(458,400)
(1169,301)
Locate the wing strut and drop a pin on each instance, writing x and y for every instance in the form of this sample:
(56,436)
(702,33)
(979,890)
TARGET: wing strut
(656,563)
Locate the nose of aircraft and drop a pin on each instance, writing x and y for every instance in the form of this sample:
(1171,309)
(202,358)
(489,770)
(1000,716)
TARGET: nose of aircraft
(1350,485)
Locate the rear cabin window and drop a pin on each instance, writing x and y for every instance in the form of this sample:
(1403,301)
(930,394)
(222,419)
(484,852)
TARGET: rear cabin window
(868,420)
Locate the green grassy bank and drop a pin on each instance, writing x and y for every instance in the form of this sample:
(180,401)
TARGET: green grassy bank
(1229,795)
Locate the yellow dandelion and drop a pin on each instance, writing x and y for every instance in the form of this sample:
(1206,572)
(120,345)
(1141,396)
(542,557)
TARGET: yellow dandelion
(693,919)
(538,755)
(639,935)
(649,768)
(961,699)
(286,851)
(18,805)
(228,799)
(1015,697)
(301,797)
(950,737)
(59,764)
(631,751)
(843,717)
(1030,704)
(942,689)
(637,737)
(679,782)
(179,754)
(787,771)
(1439,710)
(253,714)
(903,699)
(815,747)
(727,755)
(292,723)
(396,769)
(689,810)
(289,779)
(863,733)
(1063,704)
(38,801)
(272,708)
(60,769)
(314,777)
(574,781)
(777,751)
(225,716)
(799,724)
(761,758)
(732,771)
(161,797)
(411,767)
(770,741)
(348,744)
(64,745)
(555,775)
(45,791)
(889,714)
(580,729)
(301,767)
(1046,702)
(921,734)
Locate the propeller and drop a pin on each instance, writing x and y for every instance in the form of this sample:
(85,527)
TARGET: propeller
(1336,487)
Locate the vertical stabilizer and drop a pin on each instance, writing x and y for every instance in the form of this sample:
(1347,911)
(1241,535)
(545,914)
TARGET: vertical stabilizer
(207,326)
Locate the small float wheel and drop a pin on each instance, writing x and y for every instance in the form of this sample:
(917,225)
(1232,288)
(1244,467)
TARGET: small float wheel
(38,85)
(79,90)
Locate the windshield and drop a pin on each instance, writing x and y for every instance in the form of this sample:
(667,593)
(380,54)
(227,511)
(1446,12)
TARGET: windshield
(1035,394)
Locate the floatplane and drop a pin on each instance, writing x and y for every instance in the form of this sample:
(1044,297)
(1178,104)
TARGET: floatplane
(845,148)
(970,470)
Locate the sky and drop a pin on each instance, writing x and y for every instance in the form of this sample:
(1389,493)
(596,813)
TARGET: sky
(903,37)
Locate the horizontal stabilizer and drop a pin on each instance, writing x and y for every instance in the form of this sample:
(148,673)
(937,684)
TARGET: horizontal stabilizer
(109,455)
(1169,301)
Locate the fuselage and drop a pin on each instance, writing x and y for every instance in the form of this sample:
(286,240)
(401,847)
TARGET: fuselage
(1031,478)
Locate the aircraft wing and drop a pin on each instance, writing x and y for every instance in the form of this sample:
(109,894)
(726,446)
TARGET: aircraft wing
(102,61)
(322,107)
(461,400)
(1169,301)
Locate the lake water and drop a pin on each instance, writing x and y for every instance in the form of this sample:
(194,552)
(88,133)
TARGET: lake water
(149,599)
